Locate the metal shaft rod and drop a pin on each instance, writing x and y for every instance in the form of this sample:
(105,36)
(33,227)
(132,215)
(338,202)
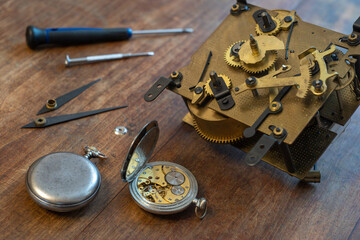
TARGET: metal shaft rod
(341,105)
(90,59)
(163,31)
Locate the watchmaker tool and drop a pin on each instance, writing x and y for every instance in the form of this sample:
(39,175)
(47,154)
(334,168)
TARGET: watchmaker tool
(100,58)
(53,104)
(277,103)
(37,37)
(159,187)
(42,122)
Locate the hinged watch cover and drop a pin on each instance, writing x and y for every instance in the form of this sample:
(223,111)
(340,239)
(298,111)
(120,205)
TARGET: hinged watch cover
(140,151)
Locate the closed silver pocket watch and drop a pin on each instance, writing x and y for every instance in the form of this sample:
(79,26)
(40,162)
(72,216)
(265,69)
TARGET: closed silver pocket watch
(64,181)
(159,187)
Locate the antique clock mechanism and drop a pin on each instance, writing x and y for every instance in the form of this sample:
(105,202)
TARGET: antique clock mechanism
(271,85)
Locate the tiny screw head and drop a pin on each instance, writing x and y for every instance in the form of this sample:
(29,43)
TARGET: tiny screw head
(317,83)
(288,19)
(250,81)
(198,90)
(334,57)
(237,89)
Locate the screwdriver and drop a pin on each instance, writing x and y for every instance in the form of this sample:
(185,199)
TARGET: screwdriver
(38,37)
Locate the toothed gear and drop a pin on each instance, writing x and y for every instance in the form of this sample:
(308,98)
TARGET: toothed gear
(271,33)
(212,138)
(230,58)
(304,88)
(215,127)
(265,64)
(207,87)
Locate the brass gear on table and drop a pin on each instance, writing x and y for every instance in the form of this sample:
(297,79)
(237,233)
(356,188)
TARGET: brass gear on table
(207,88)
(215,127)
(271,33)
(230,59)
(262,66)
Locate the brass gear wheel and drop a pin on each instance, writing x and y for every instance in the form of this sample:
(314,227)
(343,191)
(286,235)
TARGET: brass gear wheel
(271,33)
(256,55)
(230,59)
(207,87)
(262,66)
(215,127)
(306,73)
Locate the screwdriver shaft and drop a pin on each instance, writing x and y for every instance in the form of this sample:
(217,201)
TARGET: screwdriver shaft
(90,59)
(163,31)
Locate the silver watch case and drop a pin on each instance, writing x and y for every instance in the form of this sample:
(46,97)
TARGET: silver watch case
(63,181)
(144,144)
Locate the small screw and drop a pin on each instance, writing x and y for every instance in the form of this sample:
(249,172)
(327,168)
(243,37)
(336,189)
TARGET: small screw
(237,89)
(250,81)
(198,90)
(318,84)
(334,57)
(288,19)
(284,67)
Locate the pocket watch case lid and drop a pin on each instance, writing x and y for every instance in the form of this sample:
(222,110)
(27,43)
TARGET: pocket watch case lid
(140,151)
(63,181)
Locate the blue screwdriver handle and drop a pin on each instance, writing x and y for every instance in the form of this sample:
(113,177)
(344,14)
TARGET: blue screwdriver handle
(37,37)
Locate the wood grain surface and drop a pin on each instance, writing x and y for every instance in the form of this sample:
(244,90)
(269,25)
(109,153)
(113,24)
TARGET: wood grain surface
(244,202)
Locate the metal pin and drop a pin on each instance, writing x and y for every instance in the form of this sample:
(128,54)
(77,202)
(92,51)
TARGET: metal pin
(254,46)
(265,19)
(214,79)
(318,119)
(341,105)
(91,59)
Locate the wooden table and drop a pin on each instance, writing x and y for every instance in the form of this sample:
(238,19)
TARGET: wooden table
(244,202)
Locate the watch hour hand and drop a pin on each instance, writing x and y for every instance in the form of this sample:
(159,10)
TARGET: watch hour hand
(53,104)
(42,122)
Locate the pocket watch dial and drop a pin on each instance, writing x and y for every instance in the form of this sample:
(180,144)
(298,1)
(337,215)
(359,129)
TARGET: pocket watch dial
(163,184)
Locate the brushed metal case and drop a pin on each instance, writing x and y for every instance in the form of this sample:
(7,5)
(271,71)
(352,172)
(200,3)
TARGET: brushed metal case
(63,181)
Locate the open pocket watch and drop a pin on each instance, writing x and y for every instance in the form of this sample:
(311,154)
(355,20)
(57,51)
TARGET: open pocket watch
(64,181)
(159,187)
